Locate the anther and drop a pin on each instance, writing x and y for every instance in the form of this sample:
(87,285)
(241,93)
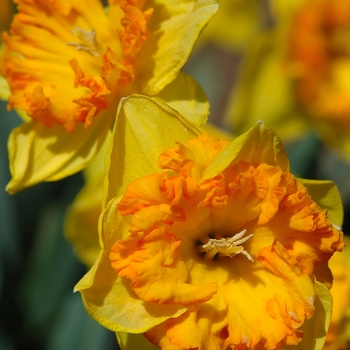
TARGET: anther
(230,246)
(87,41)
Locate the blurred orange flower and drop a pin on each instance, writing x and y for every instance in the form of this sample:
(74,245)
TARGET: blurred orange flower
(296,75)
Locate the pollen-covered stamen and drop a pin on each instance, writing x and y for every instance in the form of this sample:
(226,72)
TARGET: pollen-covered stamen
(87,41)
(229,246)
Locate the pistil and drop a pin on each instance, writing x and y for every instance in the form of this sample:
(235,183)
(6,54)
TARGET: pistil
(87,39)
(229,246)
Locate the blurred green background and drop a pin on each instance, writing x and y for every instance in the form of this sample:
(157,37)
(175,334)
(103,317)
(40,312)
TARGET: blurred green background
(38,269)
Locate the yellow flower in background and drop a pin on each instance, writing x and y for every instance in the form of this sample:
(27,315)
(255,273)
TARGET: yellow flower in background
(338,336)
(81,221)
(210,243)
(242,20)
(69,63)
(318,58)
(296,75)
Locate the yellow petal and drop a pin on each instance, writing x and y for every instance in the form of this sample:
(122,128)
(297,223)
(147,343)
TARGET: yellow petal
(220,133)
(176,28)
(37,153)
(128,341)
(4,89)
(254,146)
(143,129)
(4,86)
(186,96)
(326,194)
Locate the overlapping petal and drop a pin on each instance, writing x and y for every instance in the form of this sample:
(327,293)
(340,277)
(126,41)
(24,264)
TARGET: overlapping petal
(214,247)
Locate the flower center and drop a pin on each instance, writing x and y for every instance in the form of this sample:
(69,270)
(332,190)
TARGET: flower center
(87,40)
(84,65)
(226,247)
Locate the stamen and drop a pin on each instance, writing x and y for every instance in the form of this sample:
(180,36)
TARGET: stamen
(87,41)
(228,246)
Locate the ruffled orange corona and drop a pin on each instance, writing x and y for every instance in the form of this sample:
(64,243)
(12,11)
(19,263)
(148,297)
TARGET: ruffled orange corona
(220,248)
(68,64)
(320,58)
(237,249)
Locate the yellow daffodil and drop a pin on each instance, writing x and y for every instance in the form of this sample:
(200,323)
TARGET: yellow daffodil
(296,75)
(338,336)
(68,63)
(210,243)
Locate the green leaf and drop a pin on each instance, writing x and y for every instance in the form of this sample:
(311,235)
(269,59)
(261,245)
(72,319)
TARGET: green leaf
(75,329)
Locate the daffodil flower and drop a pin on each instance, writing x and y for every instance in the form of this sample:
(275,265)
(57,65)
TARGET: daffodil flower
(210,243)
(296,75)
(68,64)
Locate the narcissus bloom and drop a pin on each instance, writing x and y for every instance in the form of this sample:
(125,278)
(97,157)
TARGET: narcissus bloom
(210,243)
(69,63)
(297,75)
